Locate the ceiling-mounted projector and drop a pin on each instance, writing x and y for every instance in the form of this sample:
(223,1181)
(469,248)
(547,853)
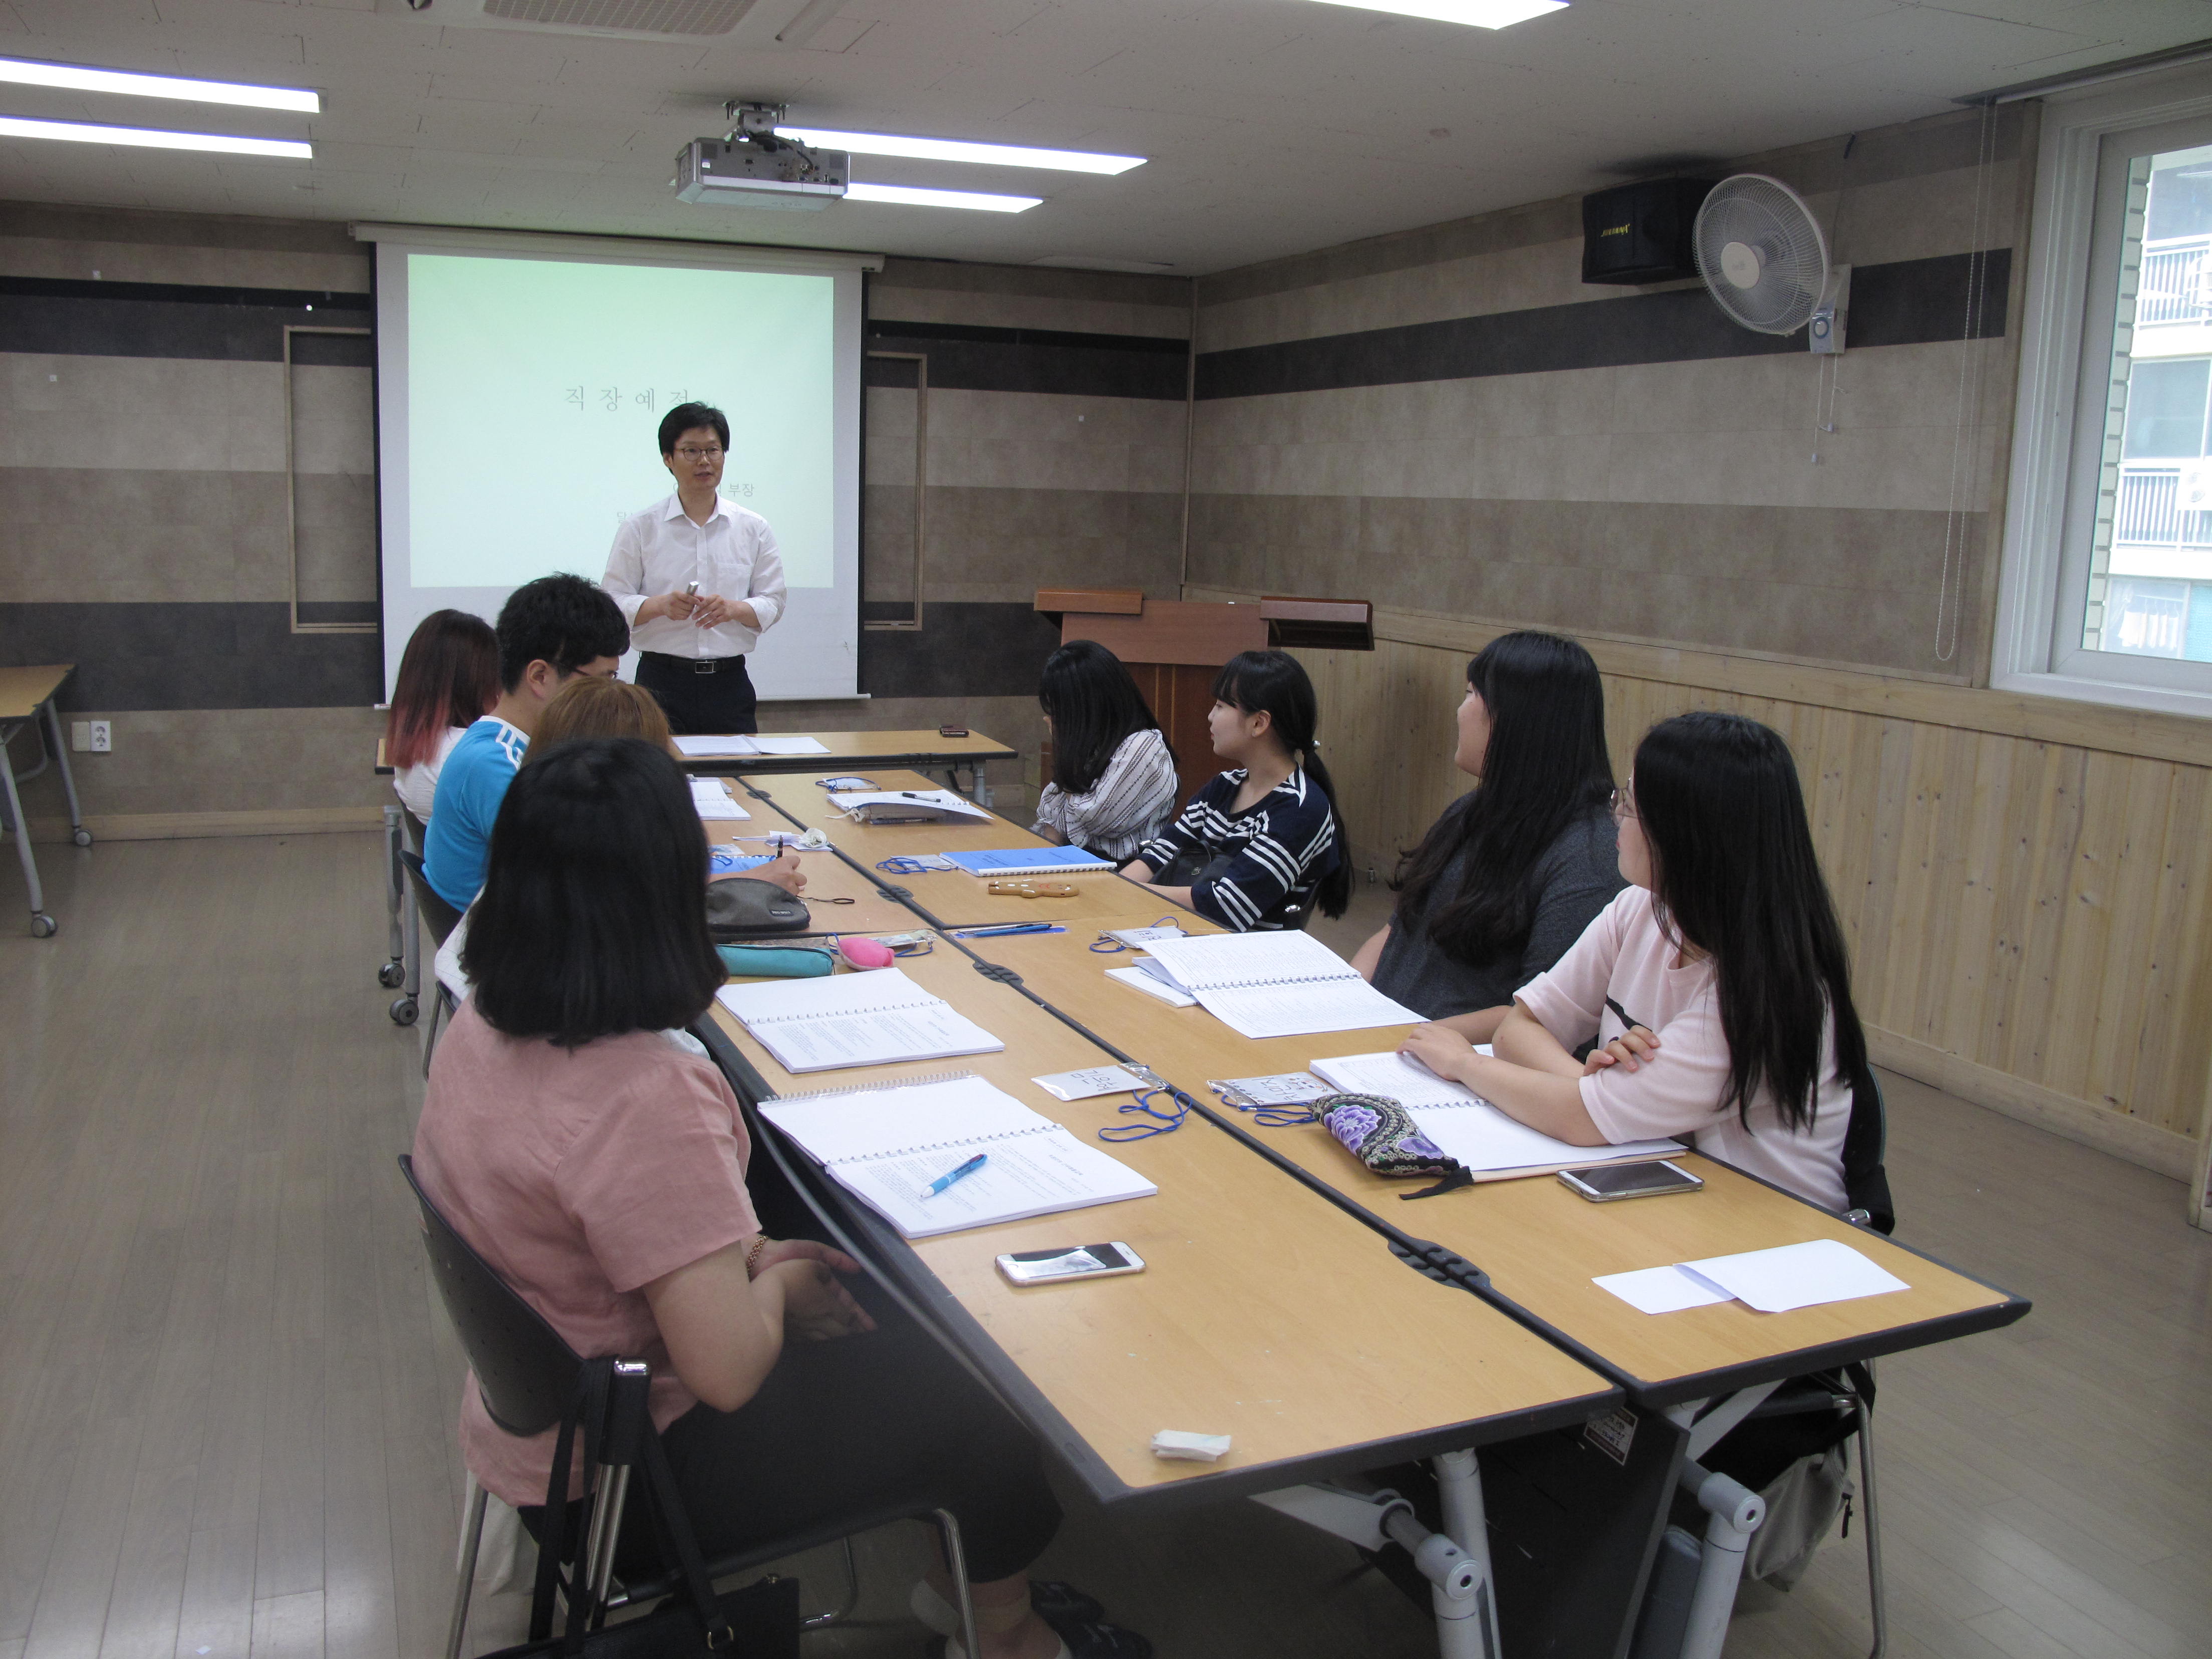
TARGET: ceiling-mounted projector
(751,166)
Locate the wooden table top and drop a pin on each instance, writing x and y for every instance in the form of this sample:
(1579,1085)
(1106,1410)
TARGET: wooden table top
(1541,1243)
(22,690)
(953,896)
(828,876)
(1265,1312)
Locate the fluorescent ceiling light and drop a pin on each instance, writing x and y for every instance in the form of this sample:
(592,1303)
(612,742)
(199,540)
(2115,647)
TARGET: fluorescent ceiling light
(75,77)
(960,149)
(912,196)
(1483,14)
(15,126)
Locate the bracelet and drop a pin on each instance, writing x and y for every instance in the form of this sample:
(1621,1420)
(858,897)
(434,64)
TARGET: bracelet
(752,1256)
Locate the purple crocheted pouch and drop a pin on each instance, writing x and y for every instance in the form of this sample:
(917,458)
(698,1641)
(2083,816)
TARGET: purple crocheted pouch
(1381,1135)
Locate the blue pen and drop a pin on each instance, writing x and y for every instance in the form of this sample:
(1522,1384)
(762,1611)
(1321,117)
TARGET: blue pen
(1012,927)
(952,1176)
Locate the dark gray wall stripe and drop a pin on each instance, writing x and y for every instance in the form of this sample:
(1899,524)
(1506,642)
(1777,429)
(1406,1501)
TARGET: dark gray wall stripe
(962,650)
(197,294)
(190,655)
(97,325)
(966,358)
(335,350)
(1908,302)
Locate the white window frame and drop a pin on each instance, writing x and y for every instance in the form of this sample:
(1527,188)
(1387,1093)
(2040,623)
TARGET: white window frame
(2065,355)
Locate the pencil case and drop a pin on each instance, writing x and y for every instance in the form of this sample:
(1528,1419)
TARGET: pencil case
(1381,1135)
(777,961)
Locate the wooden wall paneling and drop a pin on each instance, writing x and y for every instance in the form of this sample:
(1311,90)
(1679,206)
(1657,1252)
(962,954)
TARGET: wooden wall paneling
(2130,881)
(1976,963)
(2174,990)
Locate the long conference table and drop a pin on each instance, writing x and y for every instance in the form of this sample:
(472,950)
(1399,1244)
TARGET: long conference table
(1294,1301)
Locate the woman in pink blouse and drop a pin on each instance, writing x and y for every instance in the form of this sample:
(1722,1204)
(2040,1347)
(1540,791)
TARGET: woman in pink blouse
(594,1156)
(1716,986)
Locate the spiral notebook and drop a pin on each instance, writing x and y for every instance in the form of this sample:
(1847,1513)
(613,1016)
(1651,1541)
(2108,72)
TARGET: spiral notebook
(1274,984)
(879,1018)
(730,743)
(1467,1126)
(886,1145)
(1030,861)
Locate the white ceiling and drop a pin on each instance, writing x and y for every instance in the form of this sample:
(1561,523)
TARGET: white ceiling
(1274,126)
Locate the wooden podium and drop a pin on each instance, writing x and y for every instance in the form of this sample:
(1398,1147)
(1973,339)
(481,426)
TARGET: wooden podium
(1174,647)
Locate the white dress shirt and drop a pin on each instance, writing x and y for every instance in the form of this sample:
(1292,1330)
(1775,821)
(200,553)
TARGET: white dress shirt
(732,555)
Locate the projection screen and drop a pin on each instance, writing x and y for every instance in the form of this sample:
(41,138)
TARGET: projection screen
(521,383)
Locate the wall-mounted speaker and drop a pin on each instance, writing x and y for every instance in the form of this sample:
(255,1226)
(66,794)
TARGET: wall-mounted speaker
(1641,232)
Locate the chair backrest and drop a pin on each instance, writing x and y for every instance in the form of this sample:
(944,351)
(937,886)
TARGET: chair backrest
(1866,1144)
(525,1371)
(441,916)
(416,830)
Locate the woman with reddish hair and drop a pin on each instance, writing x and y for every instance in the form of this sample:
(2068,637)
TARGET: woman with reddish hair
(448,681)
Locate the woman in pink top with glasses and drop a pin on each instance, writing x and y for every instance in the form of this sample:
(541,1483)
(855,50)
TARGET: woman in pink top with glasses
(1716,986)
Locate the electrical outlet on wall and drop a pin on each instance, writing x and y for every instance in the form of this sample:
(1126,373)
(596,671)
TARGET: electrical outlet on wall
(103,737)
(81,737)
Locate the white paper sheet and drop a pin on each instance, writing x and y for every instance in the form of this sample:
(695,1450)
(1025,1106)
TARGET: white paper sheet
(1137,979)
(713,802)
(1797,1275)
(1661,1290)
(1777,1281)
(703,748)
(769,745)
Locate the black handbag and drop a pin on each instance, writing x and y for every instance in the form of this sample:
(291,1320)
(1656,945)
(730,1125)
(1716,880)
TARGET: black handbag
(758,1621)
(743,907)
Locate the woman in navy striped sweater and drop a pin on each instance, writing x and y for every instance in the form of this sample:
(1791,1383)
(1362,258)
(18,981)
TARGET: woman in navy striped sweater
(1263,844)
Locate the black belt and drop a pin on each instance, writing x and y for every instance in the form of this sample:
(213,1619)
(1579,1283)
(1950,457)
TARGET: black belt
(696,664)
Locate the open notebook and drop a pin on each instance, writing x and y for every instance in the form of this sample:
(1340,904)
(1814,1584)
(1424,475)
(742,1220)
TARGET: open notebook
(733,743)
(887,1144)
(1030,861)
(1468,1128)
(909,807)
(713,801)
(1274,984)
(879,1018)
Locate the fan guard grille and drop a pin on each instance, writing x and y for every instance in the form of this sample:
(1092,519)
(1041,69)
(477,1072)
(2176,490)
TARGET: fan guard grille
(1762,215)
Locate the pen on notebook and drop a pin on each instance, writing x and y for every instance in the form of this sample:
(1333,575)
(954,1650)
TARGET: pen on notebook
(1011,928)
(952,1176)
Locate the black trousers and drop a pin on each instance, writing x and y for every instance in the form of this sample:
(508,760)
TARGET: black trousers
(699,704)
(874,1421)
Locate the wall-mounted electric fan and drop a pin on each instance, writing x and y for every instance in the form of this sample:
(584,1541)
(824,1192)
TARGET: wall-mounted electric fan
(1766,263)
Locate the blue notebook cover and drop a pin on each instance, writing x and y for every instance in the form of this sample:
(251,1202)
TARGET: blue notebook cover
(1030,861)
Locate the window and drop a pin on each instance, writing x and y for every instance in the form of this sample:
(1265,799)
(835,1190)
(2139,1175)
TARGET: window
(2107,585)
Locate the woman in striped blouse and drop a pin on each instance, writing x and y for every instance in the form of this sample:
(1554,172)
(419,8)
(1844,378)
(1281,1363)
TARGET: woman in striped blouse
(1263,845)
(1113,778)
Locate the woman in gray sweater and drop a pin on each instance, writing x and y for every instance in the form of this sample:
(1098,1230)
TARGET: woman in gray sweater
(1516,868)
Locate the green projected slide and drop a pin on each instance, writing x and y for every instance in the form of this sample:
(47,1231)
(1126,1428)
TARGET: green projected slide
(535,389)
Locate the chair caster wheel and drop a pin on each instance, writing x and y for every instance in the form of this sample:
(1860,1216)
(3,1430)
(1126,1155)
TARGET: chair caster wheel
(42,925)
(82,837)
(392,975)
(403,1011)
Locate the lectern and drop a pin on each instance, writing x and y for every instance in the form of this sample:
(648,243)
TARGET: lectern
(1174,647)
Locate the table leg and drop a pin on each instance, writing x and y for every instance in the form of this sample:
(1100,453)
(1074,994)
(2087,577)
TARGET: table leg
(42,925)
(394,971)
(57,746)
(1467,1624)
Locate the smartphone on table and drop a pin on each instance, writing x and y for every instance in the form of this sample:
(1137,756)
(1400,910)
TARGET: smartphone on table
(1071,1262)
(1606,1183)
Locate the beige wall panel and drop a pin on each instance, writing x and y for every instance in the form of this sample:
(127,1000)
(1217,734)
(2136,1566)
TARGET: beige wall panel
(169,412)
(336,516)
(2033,911)
(223,760)
(1066,315)
(333,420)
(141,536)
(214,267)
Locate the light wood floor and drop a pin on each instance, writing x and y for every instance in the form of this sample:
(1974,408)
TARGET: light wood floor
(227,1398)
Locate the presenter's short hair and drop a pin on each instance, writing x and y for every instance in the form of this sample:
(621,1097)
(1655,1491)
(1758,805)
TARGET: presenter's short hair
(592,918)
(564,620)
(684,417)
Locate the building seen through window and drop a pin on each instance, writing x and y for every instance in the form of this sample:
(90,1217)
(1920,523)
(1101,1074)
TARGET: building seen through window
(2150,577)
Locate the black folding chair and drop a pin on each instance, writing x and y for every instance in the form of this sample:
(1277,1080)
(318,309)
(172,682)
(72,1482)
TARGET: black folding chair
(528,1373)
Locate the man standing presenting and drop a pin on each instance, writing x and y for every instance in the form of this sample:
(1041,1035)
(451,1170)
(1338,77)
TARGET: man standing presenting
(699,580)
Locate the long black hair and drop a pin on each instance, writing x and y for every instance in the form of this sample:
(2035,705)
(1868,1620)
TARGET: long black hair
(1733,874)
(1546,765)
(1094,706)
(1272,683)
(593,921)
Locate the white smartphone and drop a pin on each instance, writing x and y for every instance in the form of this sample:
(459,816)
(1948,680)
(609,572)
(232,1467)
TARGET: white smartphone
(1608,1182)
(1075,1261)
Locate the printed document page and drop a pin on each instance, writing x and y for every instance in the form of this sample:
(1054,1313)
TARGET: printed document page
(1024,1176)
(879,1018)
(703,748)
(713,802)
(920,1117)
